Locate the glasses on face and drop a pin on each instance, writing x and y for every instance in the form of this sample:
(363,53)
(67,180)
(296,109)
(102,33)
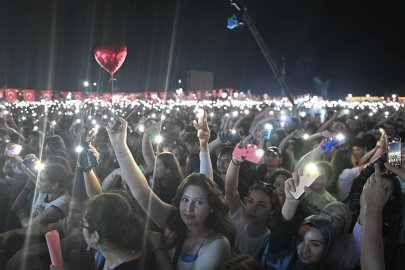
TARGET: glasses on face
(270,187)
(80,224)
(336,219)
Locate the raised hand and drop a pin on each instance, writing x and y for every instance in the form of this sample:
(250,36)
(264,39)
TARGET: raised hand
(375,193)
(118,138)
(292,183)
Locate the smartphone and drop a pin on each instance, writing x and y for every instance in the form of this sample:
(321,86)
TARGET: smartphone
(334,142)
(86,158)
(308,177)
(250,153)
(126,115)
(152,135)
(15,150)
(141,168)
(31,166)
(230,136)
(201,117)
(394,152)
(269,128)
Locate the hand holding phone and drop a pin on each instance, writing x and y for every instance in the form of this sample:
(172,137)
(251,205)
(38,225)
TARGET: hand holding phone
(202,117)
(231,135)
(250,153)
(308,176)
(394,157)
(13,149)
(333,143)
(86,158)
(126,115)
(153,135)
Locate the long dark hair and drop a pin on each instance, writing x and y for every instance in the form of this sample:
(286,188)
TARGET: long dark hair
(192,163)
(111,216)
(217,220)
(55,142)
(182,160)
(175,175)
(341,160)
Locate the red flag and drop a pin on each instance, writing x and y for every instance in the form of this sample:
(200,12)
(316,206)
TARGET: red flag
(254,97)
(107,97)
(56,96)
(199,95)
(145,95)
(182,95)
(1,94)
(92,95)
(29,95)
(64,93)
(230,92)
(154,96)
(190,95)
(132,96)
(163,96)
(47,95)
(11,94)
(207,94)
(220,91)
(241,96)
(77,95)
(214,93)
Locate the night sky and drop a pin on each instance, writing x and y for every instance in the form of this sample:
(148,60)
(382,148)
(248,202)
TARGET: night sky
(331,48)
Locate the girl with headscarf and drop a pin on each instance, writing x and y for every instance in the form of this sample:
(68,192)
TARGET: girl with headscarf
(313,243)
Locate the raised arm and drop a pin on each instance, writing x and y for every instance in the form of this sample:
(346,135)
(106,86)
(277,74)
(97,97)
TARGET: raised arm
(375,196)
(314,155)
(157,210)
(326,124)
(111,179)
(93,187)
(231,185)
(205,160)
(147,152)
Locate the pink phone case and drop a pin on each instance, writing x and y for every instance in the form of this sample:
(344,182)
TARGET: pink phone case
(250,153)
(306,180)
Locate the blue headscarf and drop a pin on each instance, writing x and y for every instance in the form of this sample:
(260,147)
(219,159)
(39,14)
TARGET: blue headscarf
(289,259)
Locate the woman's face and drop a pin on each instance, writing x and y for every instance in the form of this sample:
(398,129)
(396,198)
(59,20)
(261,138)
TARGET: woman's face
(44,185)
(194,206)
(76,212)
(279,184)
(160,170)
(258,207)
(337,217)
(310,244)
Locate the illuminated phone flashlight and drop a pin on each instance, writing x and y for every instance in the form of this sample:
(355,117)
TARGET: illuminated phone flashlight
(5,112)
(78,121)
(163,117)
(89,116)
(167,111)
(246,111)
(268,126)
(302,114)
(370,114)
(235,114)
(23,118)
(271,112)
(356,117)
(141,128)
(79,149)
(35,128)
(96,127)
(259,152)
(305,137)
(153,115)
(387,113)
(211,114)
(283,117)
(94,121)
(233,131)
(39,166)
(159,139)
(227,114)
(340,137)
(311,168)
(53,123)
(346,111)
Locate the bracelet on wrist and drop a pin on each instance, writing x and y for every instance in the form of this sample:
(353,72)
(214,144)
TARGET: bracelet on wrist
(122,153)
(234,162)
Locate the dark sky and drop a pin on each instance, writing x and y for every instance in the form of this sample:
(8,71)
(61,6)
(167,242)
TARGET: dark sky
(332,47)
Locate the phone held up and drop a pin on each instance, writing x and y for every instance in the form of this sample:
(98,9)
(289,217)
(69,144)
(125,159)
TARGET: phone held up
(202,116)
(309,176)
(394,152)
(86,158)
(126,115)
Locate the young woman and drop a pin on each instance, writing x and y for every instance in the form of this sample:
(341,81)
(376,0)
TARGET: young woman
(277,180)
(314,241)
(52,144)
(203,234)
(252,219)
(178,152)
(53,199)
(110,227)
(14,239)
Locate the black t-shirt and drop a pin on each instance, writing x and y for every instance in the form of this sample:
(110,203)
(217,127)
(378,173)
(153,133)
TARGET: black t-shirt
(261,173)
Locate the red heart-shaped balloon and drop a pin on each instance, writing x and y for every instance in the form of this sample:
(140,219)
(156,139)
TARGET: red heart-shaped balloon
(111,57)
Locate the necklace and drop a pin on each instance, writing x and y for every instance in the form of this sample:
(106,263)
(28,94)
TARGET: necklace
(119,261)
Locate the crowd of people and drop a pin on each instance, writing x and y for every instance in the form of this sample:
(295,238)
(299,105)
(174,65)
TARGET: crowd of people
(167,190)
